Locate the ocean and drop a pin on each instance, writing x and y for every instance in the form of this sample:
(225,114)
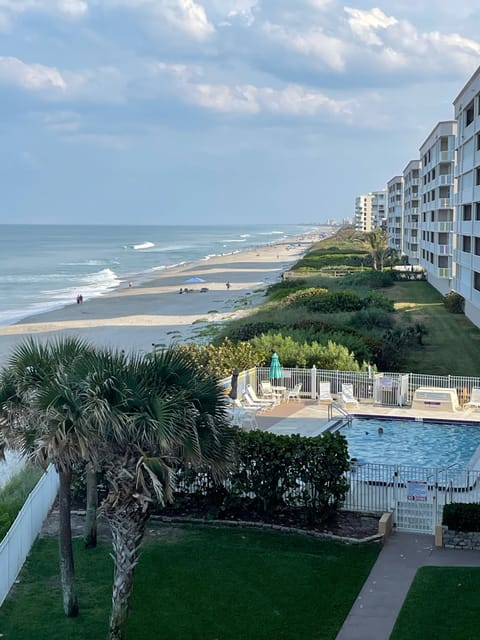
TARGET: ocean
(45,267)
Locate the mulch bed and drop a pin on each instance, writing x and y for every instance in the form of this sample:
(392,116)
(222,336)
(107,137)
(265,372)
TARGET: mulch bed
(348,524)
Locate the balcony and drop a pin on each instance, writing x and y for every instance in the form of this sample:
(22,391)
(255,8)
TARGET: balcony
(442,272)
(443,249)
(446,156)
(445,179)
(444,203)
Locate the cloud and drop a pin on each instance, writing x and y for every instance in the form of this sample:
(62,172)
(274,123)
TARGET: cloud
(65,8)
(32,77)
(292,100)
(366,24)
(186,16)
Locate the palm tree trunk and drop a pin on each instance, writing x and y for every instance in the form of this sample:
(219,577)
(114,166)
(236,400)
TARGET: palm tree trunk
(128,527)
(90,531)
(67,570)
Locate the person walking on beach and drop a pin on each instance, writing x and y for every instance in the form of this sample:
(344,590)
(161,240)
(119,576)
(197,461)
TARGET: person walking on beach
(228,285)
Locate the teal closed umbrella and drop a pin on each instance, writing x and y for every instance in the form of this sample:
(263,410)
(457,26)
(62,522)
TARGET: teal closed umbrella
(275,372)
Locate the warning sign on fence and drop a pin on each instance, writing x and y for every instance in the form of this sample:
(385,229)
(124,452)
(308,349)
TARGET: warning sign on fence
(417,490)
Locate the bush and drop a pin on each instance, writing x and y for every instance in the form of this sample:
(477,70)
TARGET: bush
(296,354)
(370,279)
(462,517)
(372,319)
(221,359)
(14,494)
(454,302)
(5,522)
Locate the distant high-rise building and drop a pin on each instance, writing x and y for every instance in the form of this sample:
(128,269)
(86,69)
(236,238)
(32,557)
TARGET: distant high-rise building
(411,210)
(395,214)
(437,205)
(370,210)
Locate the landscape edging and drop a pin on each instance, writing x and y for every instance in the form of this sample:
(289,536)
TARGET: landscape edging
(377,537)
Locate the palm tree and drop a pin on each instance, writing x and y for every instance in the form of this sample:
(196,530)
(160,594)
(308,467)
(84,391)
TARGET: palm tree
(150,414)
(42,416)
(379,249)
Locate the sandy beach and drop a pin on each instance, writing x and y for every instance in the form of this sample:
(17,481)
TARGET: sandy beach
(133,318)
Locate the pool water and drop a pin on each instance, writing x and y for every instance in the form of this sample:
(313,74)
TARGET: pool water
(407,442)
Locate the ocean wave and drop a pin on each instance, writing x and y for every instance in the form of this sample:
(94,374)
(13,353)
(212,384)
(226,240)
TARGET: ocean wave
(235,240)
(143,245)
(271,233)
(89,263)
(245,235)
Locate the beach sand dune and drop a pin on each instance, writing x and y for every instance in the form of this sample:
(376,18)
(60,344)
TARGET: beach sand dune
(134,318)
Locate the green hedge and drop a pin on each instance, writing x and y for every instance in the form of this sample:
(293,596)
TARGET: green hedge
(462,517)
(272,473)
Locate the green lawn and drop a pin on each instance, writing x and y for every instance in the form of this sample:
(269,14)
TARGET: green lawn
(443,603)
(198,584)
(452,345)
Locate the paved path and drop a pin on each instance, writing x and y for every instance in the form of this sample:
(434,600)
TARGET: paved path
(378,604)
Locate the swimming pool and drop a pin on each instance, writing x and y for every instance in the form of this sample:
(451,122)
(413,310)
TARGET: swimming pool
(408,442)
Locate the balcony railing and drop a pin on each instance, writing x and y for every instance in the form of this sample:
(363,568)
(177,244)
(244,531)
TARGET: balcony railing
(444,272)
(446,156)
(444,249)
(445,179)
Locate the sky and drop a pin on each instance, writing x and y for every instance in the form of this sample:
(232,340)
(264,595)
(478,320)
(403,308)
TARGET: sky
(219,111)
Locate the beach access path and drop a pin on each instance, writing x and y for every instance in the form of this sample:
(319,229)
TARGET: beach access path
(135,317)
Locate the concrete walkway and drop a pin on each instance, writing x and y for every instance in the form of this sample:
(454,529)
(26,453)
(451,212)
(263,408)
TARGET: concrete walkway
(378,604)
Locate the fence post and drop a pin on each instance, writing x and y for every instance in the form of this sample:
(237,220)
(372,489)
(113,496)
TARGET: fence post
(313,382)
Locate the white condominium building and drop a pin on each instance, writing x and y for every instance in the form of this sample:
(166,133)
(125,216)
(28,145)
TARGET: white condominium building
(379,209)
(411,210)
(467,254)
(395,214)
(437,205)
(370,211)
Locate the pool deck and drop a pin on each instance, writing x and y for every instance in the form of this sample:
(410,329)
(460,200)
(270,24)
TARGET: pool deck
(309,417)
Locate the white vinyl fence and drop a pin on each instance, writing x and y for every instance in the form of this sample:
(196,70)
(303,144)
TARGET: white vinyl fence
(16,545)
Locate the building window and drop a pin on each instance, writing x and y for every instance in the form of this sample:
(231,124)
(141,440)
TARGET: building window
(477,211)
(469,114)
(476,280)
(466,244)
(477,246)
(444,144)
(477,176)
(477,137)
(467,212)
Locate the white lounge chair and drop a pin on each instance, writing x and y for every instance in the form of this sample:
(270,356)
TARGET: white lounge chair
(270,392)
(248,403)
(294,394)
(243,417)
(324,393)
(347,396)
(474,402)
(250,392)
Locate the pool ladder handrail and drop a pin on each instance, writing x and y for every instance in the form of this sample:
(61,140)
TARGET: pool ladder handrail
(347,417)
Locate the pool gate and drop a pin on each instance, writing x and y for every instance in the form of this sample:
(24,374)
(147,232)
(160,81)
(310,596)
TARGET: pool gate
(414,495)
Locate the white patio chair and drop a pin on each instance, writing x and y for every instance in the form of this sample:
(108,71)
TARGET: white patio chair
(347,396)
(250,392)
(248,403)
(474,402)
(294,394)
(243,417)
(324,393)
(270,392)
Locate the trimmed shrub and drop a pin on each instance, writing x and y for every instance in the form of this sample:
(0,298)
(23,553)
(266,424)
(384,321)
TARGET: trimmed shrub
(462,517)
(370,279)
(273,473)
(454,302)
